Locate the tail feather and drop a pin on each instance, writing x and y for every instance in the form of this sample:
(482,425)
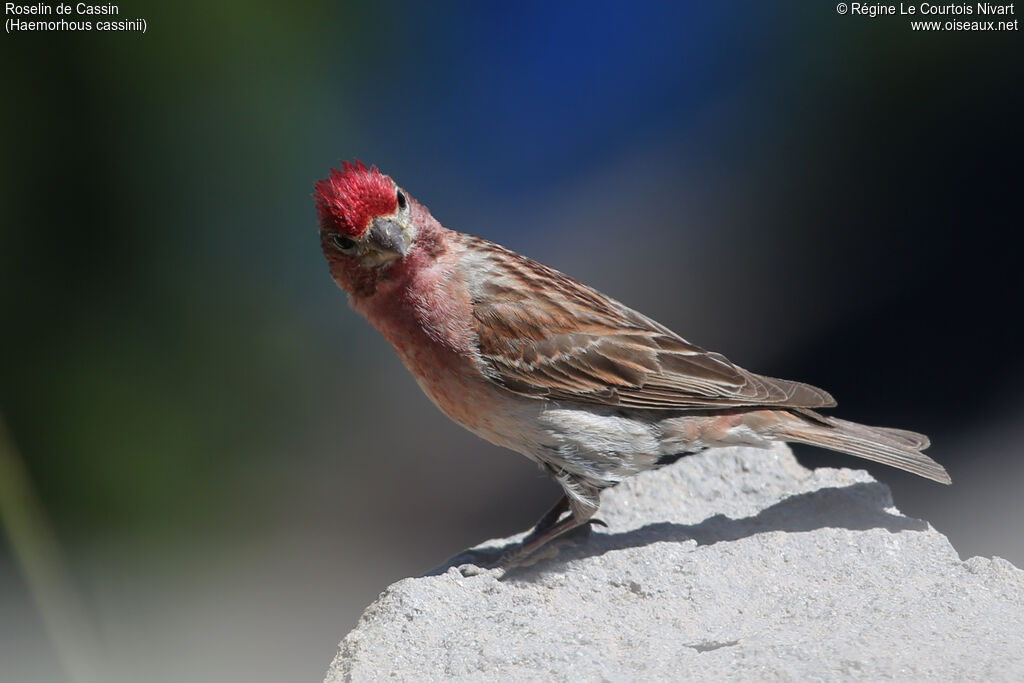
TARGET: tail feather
(894,447)
(913,440)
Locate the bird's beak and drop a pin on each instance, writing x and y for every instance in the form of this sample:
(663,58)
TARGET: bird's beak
(387,237)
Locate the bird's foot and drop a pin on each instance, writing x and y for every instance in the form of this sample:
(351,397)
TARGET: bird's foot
(497,562)
(469,570)
(516,556)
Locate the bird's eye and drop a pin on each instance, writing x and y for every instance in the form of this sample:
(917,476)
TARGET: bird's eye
(401,200)
(342,242)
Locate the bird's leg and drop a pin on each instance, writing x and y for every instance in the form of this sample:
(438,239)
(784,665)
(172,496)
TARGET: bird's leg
(548,527)
(580,515)
(548,520)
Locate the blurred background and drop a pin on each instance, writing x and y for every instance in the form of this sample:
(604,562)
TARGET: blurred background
(211,466)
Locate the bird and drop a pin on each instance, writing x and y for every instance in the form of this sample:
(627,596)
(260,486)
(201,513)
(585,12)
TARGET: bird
(535,361)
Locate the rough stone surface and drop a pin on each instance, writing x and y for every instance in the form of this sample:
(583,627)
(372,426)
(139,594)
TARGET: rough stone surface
(737,564)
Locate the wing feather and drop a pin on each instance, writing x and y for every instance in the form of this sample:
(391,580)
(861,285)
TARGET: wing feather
(540,333)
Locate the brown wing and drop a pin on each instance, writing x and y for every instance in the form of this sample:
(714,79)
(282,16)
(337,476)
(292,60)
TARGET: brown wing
(541,333)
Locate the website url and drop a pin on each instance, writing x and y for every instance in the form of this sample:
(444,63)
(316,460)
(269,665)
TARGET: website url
(964,25)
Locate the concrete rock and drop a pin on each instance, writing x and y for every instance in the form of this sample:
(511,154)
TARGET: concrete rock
(736,564)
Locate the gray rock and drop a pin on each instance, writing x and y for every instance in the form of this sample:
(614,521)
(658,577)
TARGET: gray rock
(737,564)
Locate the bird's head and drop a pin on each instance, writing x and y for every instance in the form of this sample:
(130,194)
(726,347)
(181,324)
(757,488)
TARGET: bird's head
(366,224)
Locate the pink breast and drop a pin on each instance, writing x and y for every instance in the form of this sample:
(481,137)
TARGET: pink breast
(426,316)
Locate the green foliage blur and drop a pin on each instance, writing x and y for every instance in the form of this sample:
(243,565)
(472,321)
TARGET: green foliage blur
(157,237)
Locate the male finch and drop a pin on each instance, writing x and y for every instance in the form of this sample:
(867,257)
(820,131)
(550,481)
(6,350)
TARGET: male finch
(532,360)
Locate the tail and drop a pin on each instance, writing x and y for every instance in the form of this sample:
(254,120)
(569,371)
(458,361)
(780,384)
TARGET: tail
(893,447)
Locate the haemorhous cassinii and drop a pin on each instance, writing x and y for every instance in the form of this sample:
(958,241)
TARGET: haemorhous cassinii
(532,360)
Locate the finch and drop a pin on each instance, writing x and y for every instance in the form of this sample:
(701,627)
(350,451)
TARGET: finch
(534,361)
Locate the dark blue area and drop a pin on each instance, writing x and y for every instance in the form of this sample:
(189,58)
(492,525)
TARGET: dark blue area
(528,95)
